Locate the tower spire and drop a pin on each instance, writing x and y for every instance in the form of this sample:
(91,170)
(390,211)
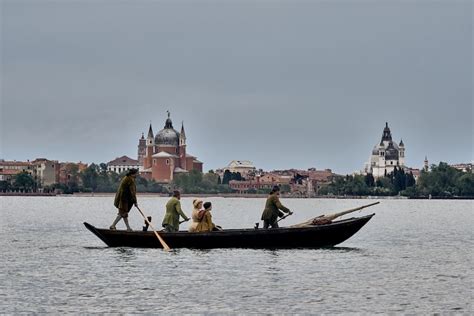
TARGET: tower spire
(182,129)
(150,132)
(182,135)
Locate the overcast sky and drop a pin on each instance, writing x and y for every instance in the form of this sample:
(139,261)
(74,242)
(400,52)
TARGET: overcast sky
(281,83)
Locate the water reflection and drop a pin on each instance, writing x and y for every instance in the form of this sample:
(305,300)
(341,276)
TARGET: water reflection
(345,249)
(125,254)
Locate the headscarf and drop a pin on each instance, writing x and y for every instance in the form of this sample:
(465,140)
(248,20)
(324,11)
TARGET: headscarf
(196,203)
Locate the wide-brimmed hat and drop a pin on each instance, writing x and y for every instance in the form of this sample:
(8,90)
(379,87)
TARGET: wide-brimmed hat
(132,171)
(196,202)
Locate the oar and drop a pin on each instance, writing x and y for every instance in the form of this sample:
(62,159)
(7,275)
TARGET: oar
(285,216)
(163,243)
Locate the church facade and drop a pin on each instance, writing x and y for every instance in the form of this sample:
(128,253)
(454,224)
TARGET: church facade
(163,156)
(386,156)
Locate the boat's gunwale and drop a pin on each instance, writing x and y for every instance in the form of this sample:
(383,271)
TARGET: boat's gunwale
(97,231)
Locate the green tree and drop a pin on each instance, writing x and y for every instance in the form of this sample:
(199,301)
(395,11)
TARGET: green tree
(384,186)
(369,180)
(5,186)
(73,180)
(410,180)
(24,181)
(90,177)
(465,184)
(441,180)
(227,177)
(103,167)
(196,182)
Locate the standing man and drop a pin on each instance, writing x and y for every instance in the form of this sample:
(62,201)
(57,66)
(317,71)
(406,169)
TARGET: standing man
(272,209)
(125,198)
(173,211)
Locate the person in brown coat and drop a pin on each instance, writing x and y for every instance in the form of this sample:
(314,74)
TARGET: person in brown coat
(125,198)
(272,209)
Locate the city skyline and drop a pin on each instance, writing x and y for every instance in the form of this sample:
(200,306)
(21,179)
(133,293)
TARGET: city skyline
(282,85)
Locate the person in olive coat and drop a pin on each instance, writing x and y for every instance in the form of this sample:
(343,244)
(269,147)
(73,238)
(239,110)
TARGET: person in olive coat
(125,198)
(173,211)
(272,209)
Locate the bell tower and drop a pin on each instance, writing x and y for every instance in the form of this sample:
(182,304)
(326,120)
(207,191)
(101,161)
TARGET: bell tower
(141,149)
(150,145)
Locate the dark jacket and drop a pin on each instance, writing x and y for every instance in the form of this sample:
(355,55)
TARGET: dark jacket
(126,193)
(272,208)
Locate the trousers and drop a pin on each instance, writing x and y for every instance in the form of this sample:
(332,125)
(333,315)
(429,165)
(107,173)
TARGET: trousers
(268,224)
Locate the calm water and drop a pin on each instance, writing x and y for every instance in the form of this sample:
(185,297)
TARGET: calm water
(412,257)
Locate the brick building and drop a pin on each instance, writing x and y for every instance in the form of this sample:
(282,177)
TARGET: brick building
(164,154)
(69,171)
(265,181)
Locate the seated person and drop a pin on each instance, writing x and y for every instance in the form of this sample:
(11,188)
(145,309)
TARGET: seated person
(196,215)
(202,219)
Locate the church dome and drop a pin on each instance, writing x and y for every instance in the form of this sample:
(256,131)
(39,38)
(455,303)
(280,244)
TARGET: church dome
(168,136)
(375,151)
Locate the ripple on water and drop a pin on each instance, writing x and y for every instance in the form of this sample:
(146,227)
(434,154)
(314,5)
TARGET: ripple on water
(411,257)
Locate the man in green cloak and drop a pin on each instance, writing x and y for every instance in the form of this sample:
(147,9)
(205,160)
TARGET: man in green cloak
(173,211)
(125,198)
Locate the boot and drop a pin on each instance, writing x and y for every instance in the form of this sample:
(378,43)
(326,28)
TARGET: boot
(112,227)
(125,219)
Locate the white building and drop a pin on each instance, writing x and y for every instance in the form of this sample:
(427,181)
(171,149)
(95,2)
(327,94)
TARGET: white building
(122,164)
(386,155)
(243,166)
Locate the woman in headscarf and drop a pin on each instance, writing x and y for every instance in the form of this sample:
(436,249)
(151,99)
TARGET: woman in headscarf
(196,215)
(202,219)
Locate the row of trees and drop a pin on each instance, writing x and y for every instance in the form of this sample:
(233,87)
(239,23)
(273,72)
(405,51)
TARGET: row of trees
(96,178)
(441,181)
(197,182)
(21,182)
(445,181)
(229,176)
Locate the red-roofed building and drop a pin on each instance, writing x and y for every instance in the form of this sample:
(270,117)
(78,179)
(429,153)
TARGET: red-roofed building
(164,155)
(8,169)
(122,164)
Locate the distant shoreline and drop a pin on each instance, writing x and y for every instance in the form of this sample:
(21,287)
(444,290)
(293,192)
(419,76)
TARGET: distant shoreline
(233,195)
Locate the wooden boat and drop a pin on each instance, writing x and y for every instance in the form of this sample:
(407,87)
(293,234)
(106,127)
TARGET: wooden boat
(310,236)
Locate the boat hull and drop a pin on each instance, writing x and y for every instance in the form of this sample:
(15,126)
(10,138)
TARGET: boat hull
(280,238)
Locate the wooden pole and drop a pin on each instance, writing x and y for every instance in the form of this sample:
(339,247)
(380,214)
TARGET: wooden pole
(163,243)
(331,217)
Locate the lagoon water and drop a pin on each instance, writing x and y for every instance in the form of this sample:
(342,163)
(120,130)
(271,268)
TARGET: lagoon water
(414,256)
